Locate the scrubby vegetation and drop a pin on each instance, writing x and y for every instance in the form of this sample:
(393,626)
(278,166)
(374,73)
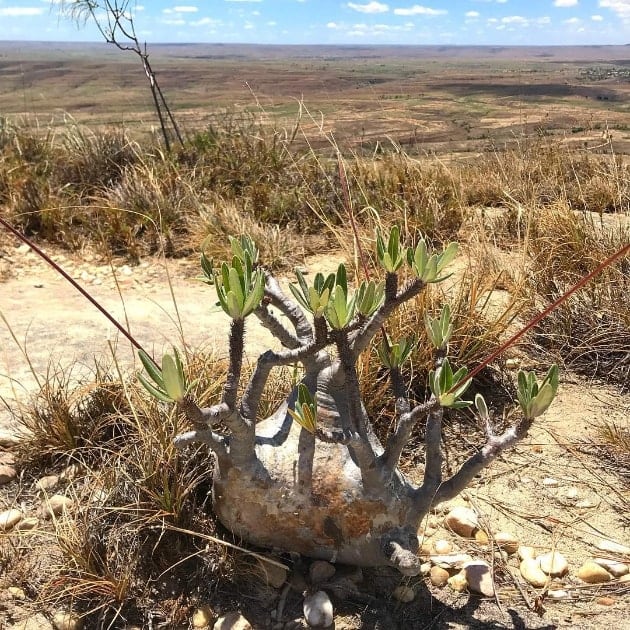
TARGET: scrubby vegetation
(148,540)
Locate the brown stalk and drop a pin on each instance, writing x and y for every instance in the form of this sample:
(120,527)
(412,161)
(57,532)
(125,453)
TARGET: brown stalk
(554,305)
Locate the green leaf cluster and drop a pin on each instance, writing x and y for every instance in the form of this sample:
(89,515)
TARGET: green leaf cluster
(305,412)
(428,266)
(533,398)
(370,296)
(442,380)
(393,355)
(240,287)
(391,256)
(341,307)
(168,383)
(313,299)
(439,330)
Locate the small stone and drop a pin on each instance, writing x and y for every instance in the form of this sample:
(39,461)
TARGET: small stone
(426,549)
(9,519)
(7,474)
(202,617)
(512,364)
(274,575)
(47,482)
(613,547)
(571,494)
(507,542)
(550,482)
(85,276)
(430,531)
(425,568)
(125,270)
(458,582)
(6,457)
(97,282)
(606,601)
(591,573)
(28,523)
(232,621)
(404,594)
(23,249)
(479,578)
(481,537)
(16,592)
(56,505)
(501,556)
(463,521)
(625,578)
(443,547)
(8,440)
(616,569)
(558,594)
(451,561)
(525,553)
(584,504)
(439,576)
(318,610)
(67,621)
(553,563)
(321,571)
(532,573)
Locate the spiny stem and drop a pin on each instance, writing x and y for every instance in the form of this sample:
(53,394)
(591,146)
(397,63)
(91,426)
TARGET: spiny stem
(75,284)
(554,305)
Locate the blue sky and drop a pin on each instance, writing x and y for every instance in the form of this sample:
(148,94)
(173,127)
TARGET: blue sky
(494,22)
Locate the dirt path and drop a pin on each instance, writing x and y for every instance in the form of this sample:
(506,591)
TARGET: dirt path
(58,327)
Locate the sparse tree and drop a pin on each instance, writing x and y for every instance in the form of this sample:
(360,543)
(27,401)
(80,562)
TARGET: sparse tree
(115,21)
(313,478)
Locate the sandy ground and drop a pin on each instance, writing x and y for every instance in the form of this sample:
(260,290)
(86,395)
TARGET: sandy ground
(586,502)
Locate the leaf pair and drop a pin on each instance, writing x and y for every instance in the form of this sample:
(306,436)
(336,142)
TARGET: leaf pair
(535,399)
(393,355)
(305,412)
(442,380)
(239,288)
(313,299)
(169,381)
(440,329)
(370,296)
(390,256)
(428,266)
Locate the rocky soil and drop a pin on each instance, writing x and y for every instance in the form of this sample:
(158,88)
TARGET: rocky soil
(540,541)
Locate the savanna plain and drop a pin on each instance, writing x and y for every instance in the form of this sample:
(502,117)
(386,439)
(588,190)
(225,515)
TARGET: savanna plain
(521,155)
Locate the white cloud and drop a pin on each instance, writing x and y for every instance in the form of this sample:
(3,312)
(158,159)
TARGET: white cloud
(597,18)
(333,25)
(370,7)
(620,7)
(515,19)
(472,14)
(20,11)
(185,9)
(205,21)
(565,3)
(572,21)
(418,9)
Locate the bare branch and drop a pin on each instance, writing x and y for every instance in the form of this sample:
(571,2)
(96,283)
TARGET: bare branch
(361,340)
(269,321)
(477,462)
(288,308)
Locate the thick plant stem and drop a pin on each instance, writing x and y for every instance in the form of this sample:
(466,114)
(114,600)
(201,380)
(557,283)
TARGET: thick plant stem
(398,440)
(477,462)
(424,495)
(361,445)
(361,340)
